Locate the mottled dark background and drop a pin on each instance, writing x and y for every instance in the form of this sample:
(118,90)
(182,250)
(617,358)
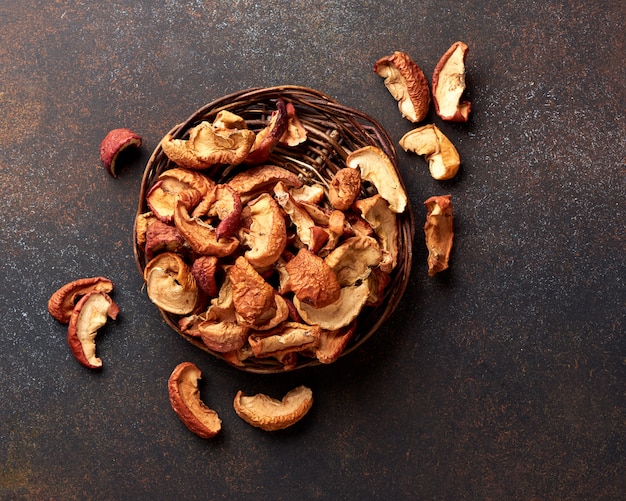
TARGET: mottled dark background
(502,378)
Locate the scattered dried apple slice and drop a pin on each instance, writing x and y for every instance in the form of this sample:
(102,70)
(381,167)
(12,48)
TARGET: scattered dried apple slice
(442,157)
(406,82)
(439,232)
(89,315)
(185,399)
(61,303)
(270,414)
(116,141)
(449,84)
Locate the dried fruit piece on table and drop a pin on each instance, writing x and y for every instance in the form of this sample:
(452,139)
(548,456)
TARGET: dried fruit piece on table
(270,414)
(184,396)
(207,146)
(449,84)
(344,188)
(406,82)
(439,232)
(376,167)
(89,315)
(62,302)
(170,283)
(442,157)
(116,141)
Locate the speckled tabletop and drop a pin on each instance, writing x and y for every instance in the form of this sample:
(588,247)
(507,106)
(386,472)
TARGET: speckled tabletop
(501,378)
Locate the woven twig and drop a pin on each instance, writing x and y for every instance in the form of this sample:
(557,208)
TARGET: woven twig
(333,131)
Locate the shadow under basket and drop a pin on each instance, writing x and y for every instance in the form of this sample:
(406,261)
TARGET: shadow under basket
(333,131)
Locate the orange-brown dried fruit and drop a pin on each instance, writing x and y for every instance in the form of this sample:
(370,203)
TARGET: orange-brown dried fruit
(185,399)
(439,233)
(406,82)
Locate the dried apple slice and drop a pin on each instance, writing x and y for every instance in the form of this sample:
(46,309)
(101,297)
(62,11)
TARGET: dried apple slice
(269,137)
(312,280)
(171,284)
(439,232)
(406,82)
(376,168)
(185,399)
(266,237)
(270,414)
(442,157)
(116,141)
(449,84)
(62,302)
(89,315)
(207,146)
(338,314)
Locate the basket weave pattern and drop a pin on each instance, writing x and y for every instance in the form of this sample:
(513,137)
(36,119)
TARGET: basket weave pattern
(333,131)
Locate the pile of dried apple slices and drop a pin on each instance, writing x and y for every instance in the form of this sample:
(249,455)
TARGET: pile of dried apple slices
(267,265)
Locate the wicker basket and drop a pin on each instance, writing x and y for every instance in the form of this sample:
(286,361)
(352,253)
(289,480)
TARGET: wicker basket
(333,132)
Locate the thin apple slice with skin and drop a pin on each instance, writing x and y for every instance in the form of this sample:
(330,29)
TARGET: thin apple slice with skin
(89,315)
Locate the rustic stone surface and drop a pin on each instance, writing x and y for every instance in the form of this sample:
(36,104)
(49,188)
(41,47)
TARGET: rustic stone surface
(501,378)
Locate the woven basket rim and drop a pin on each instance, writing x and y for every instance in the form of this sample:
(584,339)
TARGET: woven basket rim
(335,127)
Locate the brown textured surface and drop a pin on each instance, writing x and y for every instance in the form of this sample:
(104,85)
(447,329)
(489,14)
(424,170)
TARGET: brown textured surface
(501,379)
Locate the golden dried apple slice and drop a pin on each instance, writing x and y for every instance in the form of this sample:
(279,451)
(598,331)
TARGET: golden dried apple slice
(449,84)
(270,414)
(376,167)
(442,157)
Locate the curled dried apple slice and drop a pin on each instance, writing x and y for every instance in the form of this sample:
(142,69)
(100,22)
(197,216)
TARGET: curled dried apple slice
(185,399)
(270,414)
(62,302)
(89,315)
